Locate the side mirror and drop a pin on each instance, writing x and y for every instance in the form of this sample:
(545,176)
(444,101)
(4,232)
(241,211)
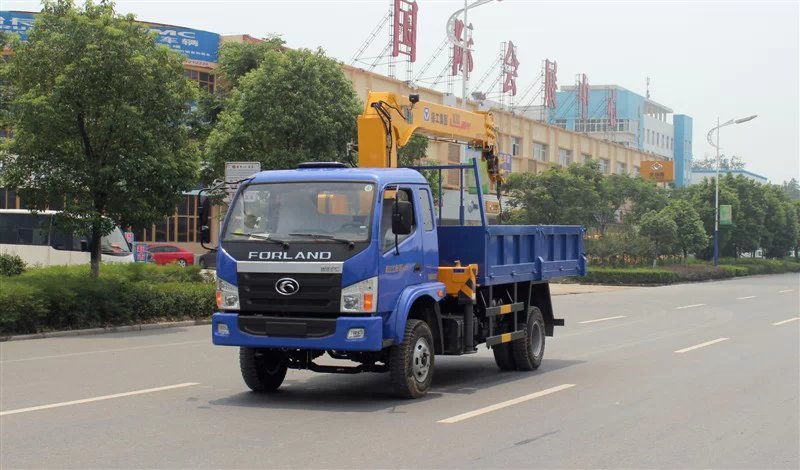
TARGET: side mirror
(84,245)
(402,217)
(203,216)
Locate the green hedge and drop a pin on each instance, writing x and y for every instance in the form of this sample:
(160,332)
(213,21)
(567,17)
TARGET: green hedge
(764,266)
(64,298)
(629,276)
(11,265)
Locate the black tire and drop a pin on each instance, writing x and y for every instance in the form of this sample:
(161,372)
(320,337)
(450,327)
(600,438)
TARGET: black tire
(411,362)
(202,264)
(263,370)
(529,351)
(503,356)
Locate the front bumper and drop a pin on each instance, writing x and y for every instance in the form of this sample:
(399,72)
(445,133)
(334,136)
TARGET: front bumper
(372,340)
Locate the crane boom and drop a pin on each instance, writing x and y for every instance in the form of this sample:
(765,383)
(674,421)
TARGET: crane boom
(389,120)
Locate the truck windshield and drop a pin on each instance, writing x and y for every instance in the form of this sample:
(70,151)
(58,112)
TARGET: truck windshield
(303,211)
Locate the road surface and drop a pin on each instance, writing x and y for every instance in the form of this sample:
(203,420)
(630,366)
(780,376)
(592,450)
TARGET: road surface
(686,376)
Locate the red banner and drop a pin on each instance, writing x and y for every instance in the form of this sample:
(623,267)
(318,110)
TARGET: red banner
(458,52)
(404,37)
(550,85)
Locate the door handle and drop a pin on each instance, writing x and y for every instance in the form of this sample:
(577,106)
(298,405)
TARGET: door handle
(417,268)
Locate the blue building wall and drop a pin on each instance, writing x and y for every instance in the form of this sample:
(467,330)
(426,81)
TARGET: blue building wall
(629,106)
(682,148)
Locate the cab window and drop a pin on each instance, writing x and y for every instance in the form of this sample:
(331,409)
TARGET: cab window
(387,237)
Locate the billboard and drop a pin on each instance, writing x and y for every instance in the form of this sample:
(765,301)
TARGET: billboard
(660,171)
(201,48)
(404,30)
(725,214)
(16,22)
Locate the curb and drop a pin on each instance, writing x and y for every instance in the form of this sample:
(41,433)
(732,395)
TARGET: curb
(111,329)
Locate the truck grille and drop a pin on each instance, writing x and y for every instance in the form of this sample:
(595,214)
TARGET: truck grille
(319,293)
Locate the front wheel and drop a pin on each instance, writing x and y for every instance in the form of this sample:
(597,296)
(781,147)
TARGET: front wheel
(263,370)
(182,263)
(411,363)
(529,351)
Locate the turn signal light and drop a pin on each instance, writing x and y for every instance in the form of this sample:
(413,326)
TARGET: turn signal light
(219,299)
(368,299)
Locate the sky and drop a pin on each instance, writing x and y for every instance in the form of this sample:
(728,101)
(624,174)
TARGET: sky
(707,59)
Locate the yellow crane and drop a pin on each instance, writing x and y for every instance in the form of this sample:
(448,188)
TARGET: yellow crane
(389,120)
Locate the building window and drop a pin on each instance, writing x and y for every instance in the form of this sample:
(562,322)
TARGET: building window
(604,166)
(564,156)
(586,158)
(540,152)
(515,146)
(621,168)
(562,123)
(204,80)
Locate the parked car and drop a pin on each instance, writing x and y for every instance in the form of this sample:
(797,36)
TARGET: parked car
(208,260)
(166,254)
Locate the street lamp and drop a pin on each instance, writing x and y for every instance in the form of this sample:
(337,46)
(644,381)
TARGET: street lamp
(451,35)
(716,191)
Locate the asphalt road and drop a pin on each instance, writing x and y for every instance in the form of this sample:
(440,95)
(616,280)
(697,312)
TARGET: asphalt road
(687,376)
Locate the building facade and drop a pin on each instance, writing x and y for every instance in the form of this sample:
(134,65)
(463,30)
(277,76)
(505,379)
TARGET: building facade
(697,176)
(638,122)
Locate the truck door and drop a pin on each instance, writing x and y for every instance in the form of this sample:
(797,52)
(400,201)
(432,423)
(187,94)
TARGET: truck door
(430,241)
(398,271)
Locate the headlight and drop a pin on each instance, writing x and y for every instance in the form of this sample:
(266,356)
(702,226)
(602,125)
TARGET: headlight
(227,295)
(361,296)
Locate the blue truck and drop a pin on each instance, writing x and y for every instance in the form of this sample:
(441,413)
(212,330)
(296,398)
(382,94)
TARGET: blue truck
(355,263)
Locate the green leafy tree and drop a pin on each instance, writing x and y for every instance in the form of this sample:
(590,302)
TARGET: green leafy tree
(99,121)
(296,106)
(748,224)
(237,59)
(571,195)
(792,189)
(661,229)
(691,235)
(780,223)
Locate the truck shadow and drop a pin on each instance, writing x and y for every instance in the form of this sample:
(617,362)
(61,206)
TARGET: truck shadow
(369,393)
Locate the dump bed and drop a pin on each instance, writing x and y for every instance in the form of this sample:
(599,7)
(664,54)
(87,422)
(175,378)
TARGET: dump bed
(514,253)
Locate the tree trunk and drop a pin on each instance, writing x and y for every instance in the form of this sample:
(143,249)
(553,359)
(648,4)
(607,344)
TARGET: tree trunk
(95,251)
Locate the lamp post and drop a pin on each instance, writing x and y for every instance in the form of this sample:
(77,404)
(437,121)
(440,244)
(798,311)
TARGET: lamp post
(451,35)
(716,190)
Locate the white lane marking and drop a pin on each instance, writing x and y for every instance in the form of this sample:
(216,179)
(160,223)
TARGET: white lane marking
(689,306)
(495,407)
(786,321)
(701,345)
(90,400)
(745,298)
(603,319)
(785,291)
(132,348)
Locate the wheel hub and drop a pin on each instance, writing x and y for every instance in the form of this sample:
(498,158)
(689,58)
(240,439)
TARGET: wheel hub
(536,340)
(421,360)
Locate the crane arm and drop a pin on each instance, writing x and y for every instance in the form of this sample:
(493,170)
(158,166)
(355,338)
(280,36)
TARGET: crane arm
(389,121)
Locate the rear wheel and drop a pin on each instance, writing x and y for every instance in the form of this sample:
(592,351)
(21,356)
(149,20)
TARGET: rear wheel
(182,263)
(529,351)
(263,370)
(202,263)
(411,363)
(503,356)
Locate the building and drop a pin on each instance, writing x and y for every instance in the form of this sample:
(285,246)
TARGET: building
(527,142)
(697,176)
(619,115)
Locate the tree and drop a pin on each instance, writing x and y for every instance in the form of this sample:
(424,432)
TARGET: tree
(99,121)
(792,189)
(780,223)
(571,195)
(691,235)
(661,229)
(296,106)
(725,163)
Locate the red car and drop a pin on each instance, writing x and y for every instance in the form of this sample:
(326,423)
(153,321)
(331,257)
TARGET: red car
(165,254)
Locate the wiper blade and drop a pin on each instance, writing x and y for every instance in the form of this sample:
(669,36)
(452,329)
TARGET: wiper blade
(258,236)
(324,236)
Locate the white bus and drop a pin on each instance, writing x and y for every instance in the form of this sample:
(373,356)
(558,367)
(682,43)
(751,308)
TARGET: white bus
(34,238)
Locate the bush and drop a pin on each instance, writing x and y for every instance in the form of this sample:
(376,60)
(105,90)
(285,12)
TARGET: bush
(11,265)
(66,297)
(629,276)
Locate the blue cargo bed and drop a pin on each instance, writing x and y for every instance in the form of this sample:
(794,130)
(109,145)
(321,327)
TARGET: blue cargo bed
(515,253)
